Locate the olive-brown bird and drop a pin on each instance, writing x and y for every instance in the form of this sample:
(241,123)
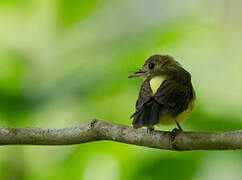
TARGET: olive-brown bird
(166,95)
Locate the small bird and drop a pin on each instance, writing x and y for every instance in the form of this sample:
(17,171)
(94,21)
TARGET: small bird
(166,95)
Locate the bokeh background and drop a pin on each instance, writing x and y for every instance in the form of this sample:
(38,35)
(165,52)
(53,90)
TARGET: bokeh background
(65,62)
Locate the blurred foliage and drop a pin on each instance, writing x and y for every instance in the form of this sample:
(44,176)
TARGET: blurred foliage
(66,62)
(73,11)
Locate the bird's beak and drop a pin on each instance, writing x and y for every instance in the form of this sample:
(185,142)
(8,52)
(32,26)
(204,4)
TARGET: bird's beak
(137,74)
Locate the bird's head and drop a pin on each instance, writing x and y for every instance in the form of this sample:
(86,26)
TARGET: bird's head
(154,65)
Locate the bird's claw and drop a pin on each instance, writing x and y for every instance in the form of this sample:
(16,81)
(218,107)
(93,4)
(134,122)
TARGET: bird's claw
(175,132)
(150,130)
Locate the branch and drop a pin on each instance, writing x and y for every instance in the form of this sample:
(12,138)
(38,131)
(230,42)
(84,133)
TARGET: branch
(101,130)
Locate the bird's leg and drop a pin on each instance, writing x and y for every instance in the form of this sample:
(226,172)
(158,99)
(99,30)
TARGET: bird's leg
(150,129)
(179,126)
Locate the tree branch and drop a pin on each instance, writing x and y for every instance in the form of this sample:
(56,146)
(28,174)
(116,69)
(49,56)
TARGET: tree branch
(101,130)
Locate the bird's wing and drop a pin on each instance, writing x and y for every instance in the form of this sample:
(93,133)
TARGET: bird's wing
(147,108)
(144,94)
(174,96)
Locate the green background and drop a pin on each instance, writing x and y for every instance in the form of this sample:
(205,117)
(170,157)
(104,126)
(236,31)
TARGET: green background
(63,63)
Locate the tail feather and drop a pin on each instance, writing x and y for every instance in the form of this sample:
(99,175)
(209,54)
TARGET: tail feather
(148,115)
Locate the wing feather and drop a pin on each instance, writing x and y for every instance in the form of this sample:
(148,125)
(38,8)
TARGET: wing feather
(174,96)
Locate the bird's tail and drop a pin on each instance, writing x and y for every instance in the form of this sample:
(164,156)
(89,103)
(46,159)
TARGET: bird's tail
(148,115)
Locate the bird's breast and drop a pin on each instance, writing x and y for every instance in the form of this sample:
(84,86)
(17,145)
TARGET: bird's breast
(155,83)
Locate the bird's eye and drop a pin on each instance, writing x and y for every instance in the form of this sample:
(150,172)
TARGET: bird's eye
(151,65)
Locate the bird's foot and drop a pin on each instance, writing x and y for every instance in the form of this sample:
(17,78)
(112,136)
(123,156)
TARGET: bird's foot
(150,129)
(175,132)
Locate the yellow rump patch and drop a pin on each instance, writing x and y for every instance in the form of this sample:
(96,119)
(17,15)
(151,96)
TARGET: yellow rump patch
(155,83)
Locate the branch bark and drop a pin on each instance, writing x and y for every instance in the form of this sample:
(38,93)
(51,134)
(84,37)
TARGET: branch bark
(101,130)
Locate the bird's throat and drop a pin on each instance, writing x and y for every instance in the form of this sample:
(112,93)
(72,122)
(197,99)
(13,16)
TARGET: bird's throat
(155,83)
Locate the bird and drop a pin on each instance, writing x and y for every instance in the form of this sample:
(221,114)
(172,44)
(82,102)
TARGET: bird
(166,96)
